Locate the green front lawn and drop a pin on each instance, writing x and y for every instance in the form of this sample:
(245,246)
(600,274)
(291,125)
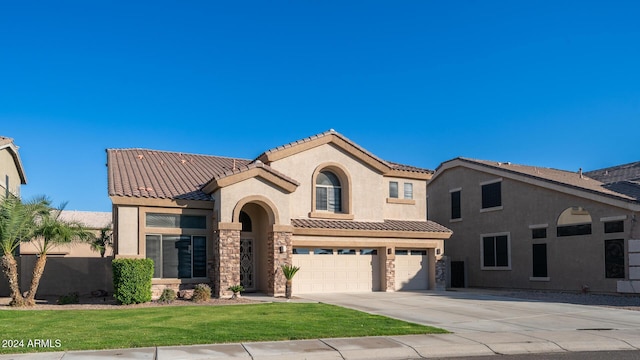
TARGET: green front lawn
(186,325)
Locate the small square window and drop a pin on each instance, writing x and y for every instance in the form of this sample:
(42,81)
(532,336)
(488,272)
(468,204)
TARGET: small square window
(540,233)
(393,189)
(408,190)
(613,227)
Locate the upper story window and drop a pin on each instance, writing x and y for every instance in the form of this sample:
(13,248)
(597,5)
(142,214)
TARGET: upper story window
(574,221)
(456,208)
(491,194)
(408,190)
(393,189)
(328,192)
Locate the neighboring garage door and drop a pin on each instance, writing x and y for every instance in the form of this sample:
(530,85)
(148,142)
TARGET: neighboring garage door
(336,270)
(411,270)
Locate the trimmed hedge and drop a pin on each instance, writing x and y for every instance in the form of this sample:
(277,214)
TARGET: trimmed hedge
(132,280)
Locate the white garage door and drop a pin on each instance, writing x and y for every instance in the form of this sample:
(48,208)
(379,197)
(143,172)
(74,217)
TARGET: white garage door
(336,270)
(411,270)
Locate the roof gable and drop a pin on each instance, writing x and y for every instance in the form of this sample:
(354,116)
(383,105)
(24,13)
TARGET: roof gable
(343,143)
(561,180)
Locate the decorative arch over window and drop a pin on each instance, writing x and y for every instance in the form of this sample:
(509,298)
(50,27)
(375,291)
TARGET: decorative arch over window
(331,196)
(574,220)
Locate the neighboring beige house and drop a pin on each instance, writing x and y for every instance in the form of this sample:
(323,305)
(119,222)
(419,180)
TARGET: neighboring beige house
(350,220)
(94,221)
(11,171)
(530,227)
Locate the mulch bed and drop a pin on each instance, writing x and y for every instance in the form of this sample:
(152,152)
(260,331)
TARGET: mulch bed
(93,303)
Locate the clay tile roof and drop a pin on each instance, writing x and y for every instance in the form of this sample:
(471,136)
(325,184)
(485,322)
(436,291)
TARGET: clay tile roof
(630,172)
(164,175)
(5,140)
(386,225)
(391,165)
(90,219)
(562,177)
(253,165)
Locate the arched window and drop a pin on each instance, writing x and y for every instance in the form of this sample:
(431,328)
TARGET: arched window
(574,221)
(328,192)
(246,221)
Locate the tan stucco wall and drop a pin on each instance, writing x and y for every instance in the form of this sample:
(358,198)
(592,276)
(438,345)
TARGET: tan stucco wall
(406,209)
(369,189)
(8,167)
(572,261)
(228,198)
(127,231)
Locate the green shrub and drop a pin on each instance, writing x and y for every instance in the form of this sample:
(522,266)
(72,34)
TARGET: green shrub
(132,280)
(168,296)
(70,298)
(201,292)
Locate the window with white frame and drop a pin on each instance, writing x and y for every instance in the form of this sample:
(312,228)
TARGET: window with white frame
(495,251)
(328,192)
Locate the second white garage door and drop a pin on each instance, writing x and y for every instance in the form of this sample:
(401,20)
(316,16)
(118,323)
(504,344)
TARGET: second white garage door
(336,270)
(412,270)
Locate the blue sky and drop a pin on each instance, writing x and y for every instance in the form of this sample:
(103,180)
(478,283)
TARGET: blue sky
(545,83)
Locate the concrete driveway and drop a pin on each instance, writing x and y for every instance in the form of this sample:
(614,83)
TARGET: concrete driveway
(471,311)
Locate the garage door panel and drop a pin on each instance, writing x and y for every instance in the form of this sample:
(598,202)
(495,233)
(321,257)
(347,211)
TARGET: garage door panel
(336,272)
(412,272)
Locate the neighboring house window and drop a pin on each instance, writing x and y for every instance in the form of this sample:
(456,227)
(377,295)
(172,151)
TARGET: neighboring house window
(540,233)
(393,189)
(492,195)
(408,190)
(177,256)
(614,227)
(328,192)
(246,222)
(495,251)
(539,252)
(614,258)
(574,221)
(456,209)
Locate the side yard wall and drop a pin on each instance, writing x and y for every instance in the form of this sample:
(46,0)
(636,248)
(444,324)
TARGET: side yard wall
(64,275)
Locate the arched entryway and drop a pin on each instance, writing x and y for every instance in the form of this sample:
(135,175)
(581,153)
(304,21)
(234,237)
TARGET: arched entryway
(253,247)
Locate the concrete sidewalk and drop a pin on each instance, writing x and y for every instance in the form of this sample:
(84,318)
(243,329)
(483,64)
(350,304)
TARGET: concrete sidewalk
(387,347)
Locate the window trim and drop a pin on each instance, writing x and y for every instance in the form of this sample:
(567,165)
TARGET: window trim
(496,268)
(492,208)
(345,184)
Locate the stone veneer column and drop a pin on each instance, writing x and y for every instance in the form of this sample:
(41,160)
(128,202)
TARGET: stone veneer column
(226,264)
(278,238)
(442,265)
(389,258)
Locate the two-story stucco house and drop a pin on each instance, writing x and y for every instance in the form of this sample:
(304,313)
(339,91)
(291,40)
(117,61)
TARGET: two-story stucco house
(528,227)
(350,220)
(12,174)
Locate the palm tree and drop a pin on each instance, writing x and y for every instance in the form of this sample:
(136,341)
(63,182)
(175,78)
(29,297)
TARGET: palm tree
(17,225)
(289,271)
(102,242)
(52,231)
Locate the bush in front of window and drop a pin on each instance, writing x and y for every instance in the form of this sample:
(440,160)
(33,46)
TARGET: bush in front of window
(168,296)
(132,280)
(201,293)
